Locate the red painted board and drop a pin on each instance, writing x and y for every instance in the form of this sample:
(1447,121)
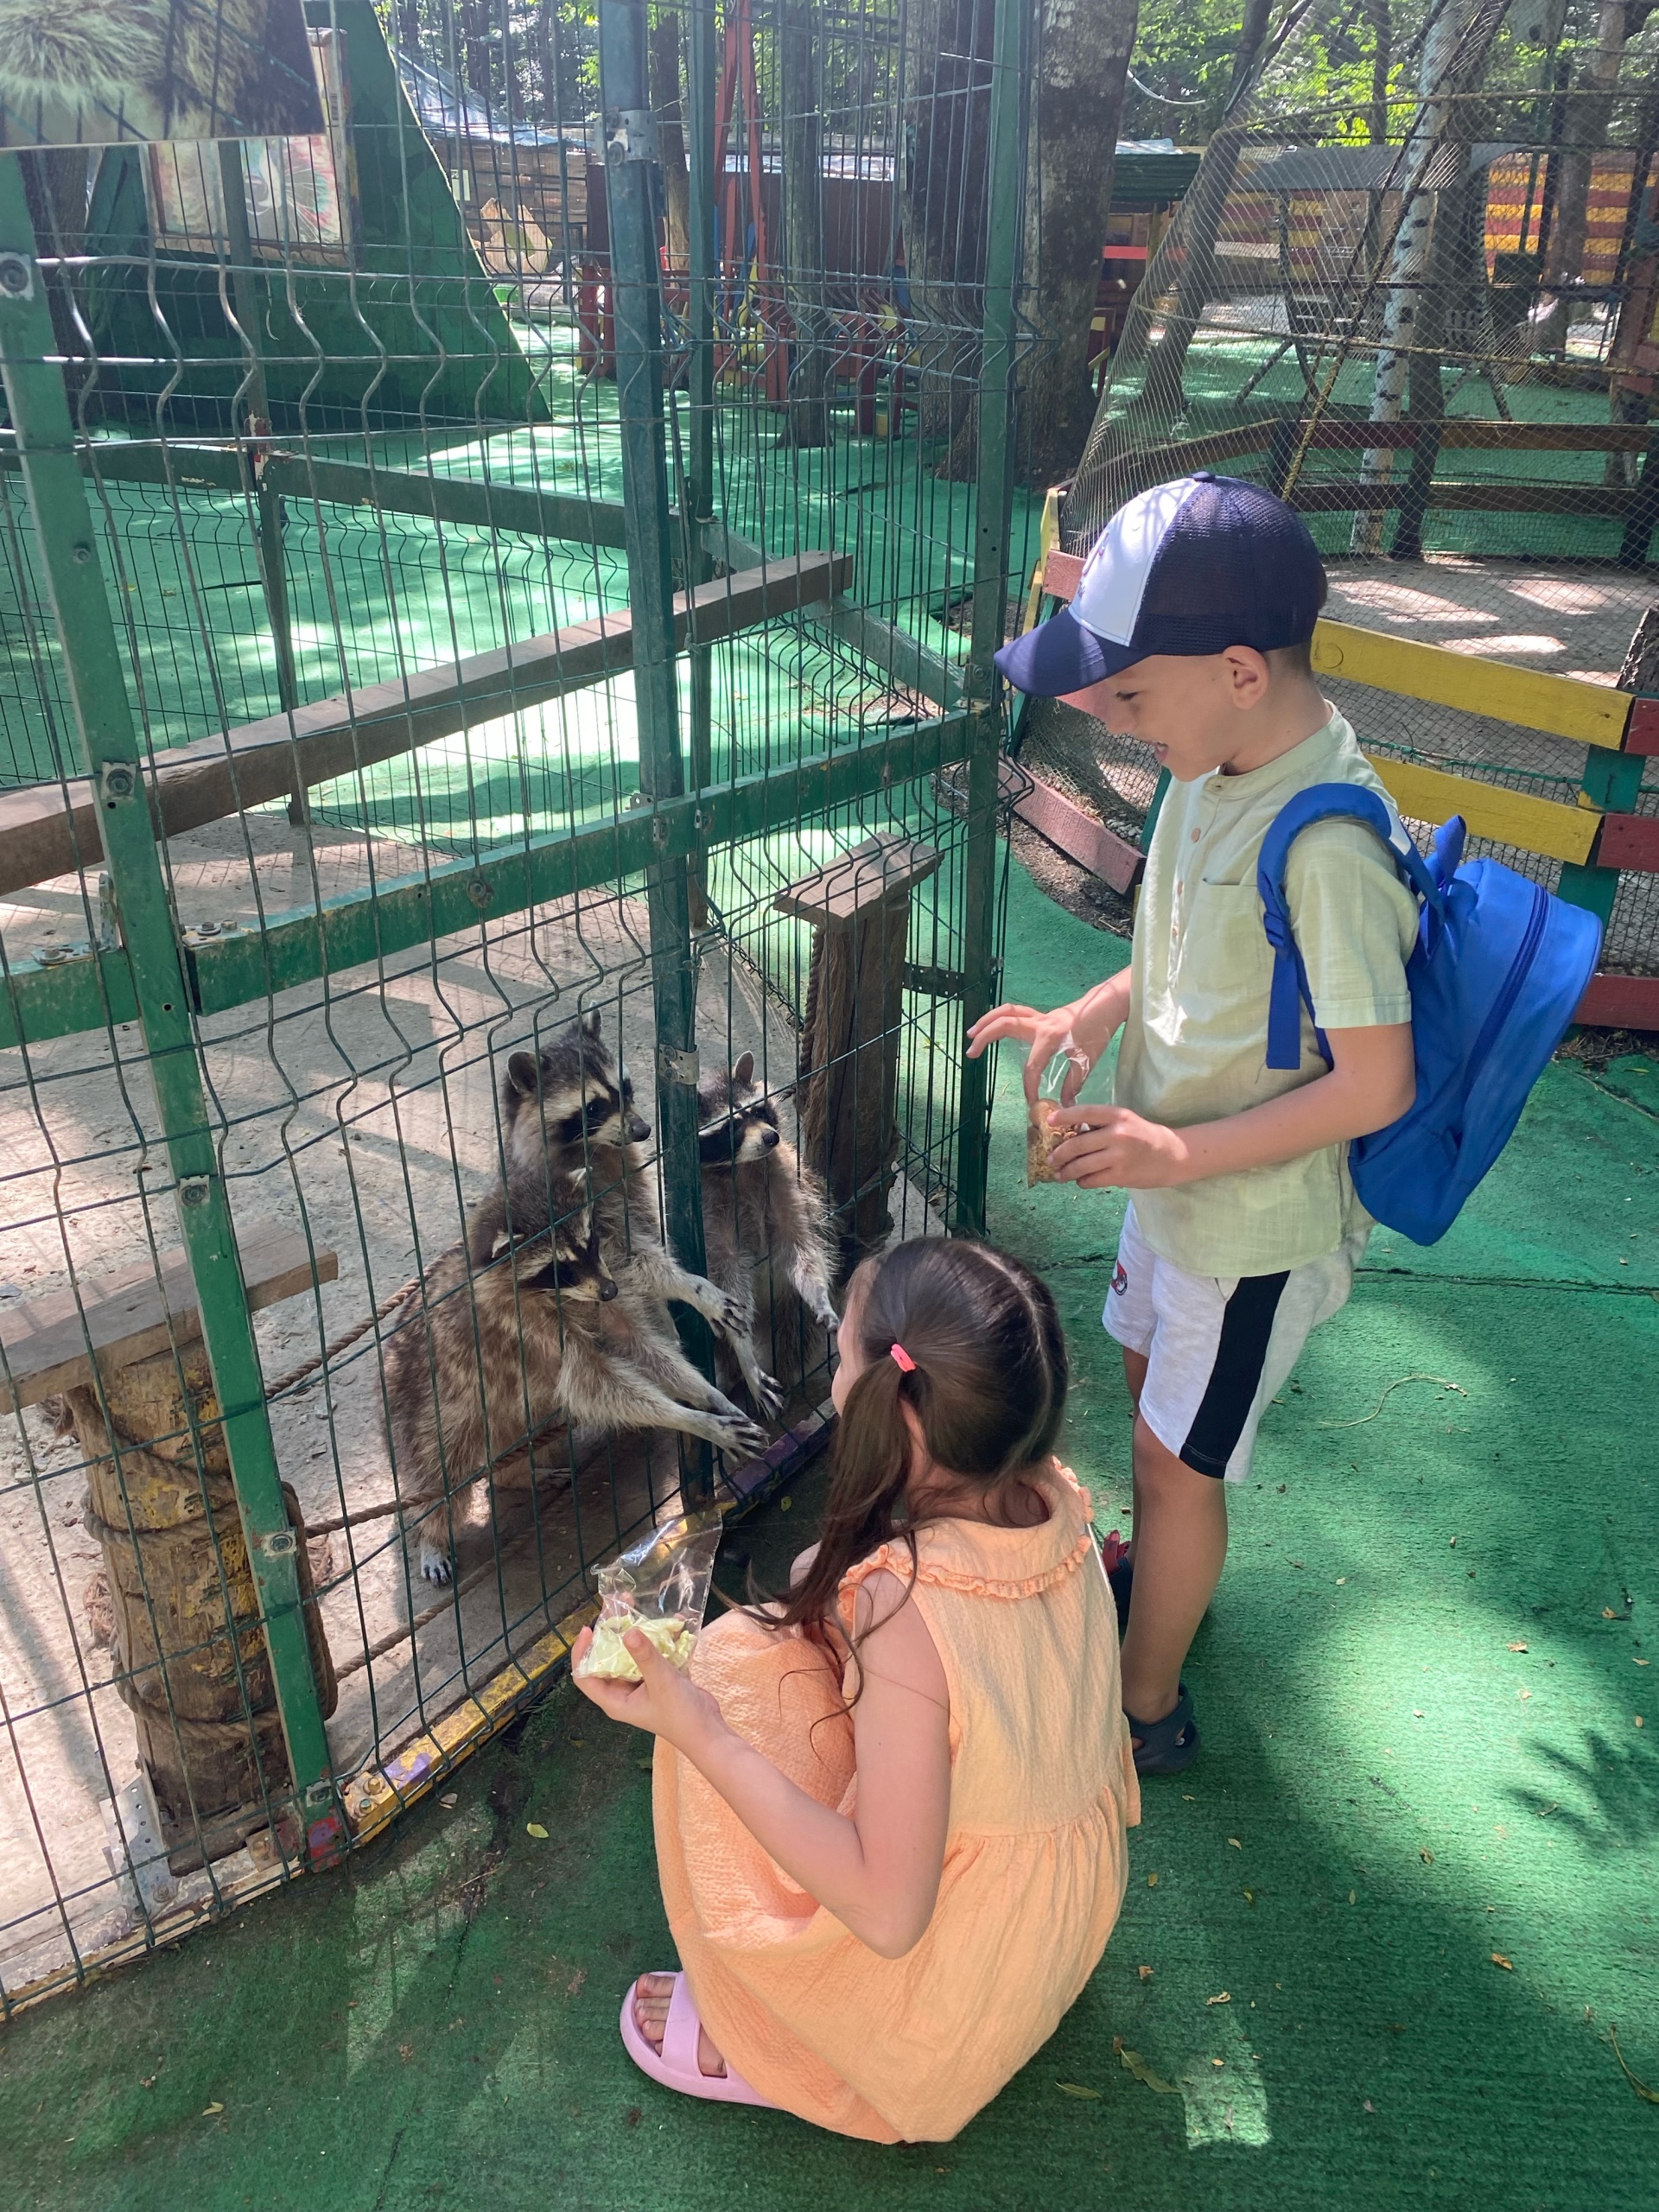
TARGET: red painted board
(1641,736)
(1061,572)
(1082,839)
(1630,841)
(1620,1002)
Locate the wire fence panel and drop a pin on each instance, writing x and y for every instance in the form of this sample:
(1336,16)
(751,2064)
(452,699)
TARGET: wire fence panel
(492,874)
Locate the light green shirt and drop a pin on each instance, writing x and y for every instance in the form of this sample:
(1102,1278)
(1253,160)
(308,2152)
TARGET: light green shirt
(1194,1047)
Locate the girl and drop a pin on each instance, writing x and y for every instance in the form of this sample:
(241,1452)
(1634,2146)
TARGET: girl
(889,1823)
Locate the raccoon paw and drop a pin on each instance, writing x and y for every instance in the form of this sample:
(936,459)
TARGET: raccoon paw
(768,1394)
(743,1437)
(826,1316)
(436,1565)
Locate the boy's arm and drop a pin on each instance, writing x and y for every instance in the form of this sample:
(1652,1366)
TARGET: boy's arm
(1372,1083)
(1092,1021)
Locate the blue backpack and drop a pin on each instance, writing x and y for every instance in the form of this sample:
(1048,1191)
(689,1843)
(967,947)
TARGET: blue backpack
(1497,972)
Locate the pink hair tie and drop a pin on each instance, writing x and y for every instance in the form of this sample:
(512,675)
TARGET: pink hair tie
(903,1359)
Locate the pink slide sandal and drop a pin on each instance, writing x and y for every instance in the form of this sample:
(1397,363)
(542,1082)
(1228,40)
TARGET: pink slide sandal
(676,2066)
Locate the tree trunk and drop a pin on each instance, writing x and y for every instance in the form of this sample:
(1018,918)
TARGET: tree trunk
(802,149)
(1453,51)
(1199,225)
(1076,100)
(945,113)
(664,67)
(1590,116)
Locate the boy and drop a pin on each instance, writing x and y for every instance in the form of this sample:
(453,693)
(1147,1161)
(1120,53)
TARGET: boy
(1190,630)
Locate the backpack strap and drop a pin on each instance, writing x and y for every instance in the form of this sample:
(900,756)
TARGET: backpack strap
(1319,802)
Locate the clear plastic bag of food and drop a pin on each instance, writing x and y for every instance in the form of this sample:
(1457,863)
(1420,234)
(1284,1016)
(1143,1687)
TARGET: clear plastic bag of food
(659,1585)
(1041,1136)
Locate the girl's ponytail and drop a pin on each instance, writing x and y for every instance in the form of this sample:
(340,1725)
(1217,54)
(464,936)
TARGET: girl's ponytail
(968,1340)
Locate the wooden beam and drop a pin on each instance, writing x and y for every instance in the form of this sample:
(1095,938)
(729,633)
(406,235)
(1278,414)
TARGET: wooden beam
(1630,841)
(1535,825)
(1474,497)
(1620,1002)
(50,831)
(53,1342)
(1564,706)
(1085,841)
(1644,733)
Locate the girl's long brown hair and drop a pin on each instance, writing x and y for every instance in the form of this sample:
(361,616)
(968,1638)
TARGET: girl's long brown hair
(987,1388)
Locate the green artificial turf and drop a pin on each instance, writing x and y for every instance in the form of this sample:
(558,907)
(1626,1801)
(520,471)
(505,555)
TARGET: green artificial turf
(1403,1898)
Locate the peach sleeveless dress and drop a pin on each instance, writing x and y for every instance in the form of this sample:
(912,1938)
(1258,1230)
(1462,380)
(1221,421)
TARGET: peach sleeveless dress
(1042,1789)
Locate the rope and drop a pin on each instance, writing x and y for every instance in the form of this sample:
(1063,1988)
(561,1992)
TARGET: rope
(296,1376)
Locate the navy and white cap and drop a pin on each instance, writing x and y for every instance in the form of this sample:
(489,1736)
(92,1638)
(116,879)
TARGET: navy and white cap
(1188,568)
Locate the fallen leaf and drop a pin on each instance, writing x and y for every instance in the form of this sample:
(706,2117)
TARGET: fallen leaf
(1217,2062)
(577,1982)
(534,1829)
(1132,2062)
(1341,1579)
(1517,1647)
(1454,1543)
(1370,2106)
(1146,1974)
(1416,1712)
(207,2110)
(449,1800)
(1527,1694)
(1427,1857)
(1498,1960)
(1077,2089)
(1152,1881)
(784,1503)
(1351,1896)
(1648,2097)
(1225,1998)
(1248,1897)
(1640,1722)
(1236,1845)
(406,2052)
(1644,1662)
(1299,1562)
(1608,1614)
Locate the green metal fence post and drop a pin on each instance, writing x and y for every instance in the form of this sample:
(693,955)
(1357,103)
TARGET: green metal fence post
(630,159)
(699,498)
(993,505)
(114,757)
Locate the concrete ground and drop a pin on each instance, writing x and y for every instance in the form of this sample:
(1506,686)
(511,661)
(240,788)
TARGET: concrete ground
(1393,1918)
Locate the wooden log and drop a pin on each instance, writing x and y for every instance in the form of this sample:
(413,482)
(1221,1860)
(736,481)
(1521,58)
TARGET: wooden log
(1620,1002)
(189,1645)
(1086,842)
(52,830)
(847,1098)
(1630,841)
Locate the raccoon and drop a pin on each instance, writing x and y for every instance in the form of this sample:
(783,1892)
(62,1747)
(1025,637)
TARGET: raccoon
(571,1110)
(761,1207)
(497,1361)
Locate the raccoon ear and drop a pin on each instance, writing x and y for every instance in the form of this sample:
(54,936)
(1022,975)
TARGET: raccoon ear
(588,1022)
(521,1073)
(744,1069)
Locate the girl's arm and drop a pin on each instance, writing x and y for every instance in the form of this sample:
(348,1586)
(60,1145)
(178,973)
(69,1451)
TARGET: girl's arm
(878,1871)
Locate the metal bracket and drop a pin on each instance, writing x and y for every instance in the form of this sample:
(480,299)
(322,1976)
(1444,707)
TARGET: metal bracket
(281,1543)
(630,137)
(195,1189)
(118,781)
(678,1067)
(482,892)
(16,278)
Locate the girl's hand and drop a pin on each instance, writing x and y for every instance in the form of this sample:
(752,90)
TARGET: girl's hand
(664,1700)
(1112,1148)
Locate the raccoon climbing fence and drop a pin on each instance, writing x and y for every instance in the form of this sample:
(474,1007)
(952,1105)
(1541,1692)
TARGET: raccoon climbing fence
(498,847)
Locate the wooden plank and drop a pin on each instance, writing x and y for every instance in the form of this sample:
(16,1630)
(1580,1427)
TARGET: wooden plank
(858,880)
(463,500)
(1630,841)
(1090,844)
(1644,733)
(133,1313)
(1620,1002)
(1489,497)
(1564,706)
(1473,436)
(52,830)
(1535,825)
(1062,572)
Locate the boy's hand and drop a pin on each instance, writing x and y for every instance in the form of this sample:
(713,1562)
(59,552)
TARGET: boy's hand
(1043,1034)
(1115,1149)
(664,1700)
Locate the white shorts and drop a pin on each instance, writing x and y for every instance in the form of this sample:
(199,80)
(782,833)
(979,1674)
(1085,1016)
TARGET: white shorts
(1218,1348)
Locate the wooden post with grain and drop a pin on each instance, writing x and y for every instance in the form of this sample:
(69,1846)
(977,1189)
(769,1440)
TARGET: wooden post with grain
(848,1096)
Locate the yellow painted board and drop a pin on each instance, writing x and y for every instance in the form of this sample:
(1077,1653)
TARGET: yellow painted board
(1564,706)
(1536,825)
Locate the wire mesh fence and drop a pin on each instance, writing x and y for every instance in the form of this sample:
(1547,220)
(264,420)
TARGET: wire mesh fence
(497,788)
(1436,342)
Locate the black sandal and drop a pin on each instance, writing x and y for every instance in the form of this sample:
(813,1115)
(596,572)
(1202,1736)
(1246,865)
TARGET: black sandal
(1169,1745)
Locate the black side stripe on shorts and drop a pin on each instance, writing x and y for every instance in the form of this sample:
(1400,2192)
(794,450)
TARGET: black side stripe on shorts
(1241,1353)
